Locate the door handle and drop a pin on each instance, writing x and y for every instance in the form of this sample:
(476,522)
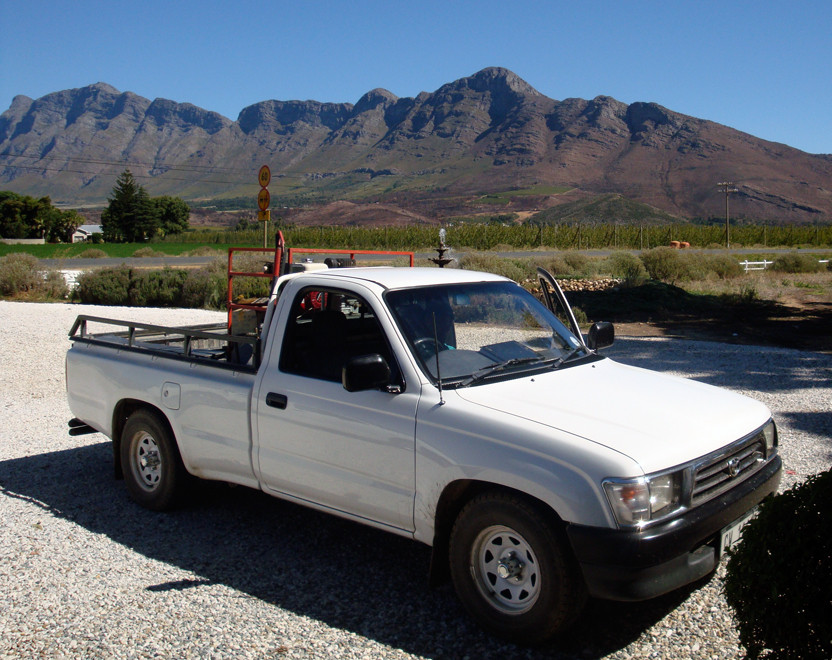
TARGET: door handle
(276,400)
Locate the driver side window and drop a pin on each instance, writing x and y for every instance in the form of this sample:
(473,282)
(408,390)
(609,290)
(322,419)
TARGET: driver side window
(326,328)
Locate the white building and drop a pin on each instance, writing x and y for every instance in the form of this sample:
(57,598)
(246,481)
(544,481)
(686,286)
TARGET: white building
(85,232)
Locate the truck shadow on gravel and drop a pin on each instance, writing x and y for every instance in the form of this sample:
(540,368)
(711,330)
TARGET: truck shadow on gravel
(345,575)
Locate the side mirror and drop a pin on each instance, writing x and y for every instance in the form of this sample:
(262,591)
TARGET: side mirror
(601,335)
(365,372)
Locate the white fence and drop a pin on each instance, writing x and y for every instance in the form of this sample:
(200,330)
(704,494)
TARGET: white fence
(762,265)
(755,265)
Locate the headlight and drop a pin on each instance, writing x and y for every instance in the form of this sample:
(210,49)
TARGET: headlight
(770,435)
(636,502)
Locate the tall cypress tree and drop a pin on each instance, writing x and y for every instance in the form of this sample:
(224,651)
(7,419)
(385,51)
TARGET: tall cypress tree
(130,216)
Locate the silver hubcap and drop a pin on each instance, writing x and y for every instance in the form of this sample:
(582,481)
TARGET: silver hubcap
(505,569)
(147,461)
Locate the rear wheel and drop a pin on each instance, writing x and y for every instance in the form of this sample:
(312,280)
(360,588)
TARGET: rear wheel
(153,470)
(512,569)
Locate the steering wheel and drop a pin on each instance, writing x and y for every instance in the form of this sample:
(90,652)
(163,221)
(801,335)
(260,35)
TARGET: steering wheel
(426,347)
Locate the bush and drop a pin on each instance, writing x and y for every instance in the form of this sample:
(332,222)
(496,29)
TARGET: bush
(21,275)
(724,266)
(92,253)
(794,262)
(490,263)
(19,272)
(157,288)
(196,288)
(577,262)
(54,285)
(628,267)
(148,252)
(779,579)
(557,266)
(109,286)
(203,251)
(664,264)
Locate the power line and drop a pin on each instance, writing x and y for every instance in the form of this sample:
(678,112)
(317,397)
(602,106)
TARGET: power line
(137,176)
(195,169)
(94,161)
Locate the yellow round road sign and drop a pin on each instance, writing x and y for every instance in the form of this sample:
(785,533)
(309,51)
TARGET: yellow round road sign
(263,199)
(265,176)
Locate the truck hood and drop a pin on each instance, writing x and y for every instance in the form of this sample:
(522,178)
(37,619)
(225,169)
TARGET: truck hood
(657,420)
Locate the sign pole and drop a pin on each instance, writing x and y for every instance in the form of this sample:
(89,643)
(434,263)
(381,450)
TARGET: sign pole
(264,176)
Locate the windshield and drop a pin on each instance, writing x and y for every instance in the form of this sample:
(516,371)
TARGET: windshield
(480,330)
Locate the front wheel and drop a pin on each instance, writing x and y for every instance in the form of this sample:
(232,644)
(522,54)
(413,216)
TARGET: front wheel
(153,471)
(512,569)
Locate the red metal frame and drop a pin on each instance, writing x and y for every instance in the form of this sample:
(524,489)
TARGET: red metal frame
(278,258)
(291,251)
(278,252)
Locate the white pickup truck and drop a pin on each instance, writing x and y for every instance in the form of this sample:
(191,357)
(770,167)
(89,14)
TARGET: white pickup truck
(451,407)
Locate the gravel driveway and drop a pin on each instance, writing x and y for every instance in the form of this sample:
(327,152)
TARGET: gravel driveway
(86,573)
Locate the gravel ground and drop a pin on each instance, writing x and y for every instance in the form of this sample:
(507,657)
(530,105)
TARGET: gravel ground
(86,573)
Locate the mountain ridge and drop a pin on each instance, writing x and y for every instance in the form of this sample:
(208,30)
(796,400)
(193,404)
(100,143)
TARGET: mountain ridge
(488,132)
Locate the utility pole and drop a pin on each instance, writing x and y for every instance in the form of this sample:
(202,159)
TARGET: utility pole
(727,188)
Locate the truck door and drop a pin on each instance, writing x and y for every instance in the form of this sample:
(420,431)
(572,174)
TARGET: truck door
(556,301)
(348,451)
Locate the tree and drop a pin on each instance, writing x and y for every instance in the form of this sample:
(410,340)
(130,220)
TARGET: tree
(60,225)
(22,216)
(131,215)
(173,213)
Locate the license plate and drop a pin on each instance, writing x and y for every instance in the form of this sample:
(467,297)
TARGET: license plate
(732,534)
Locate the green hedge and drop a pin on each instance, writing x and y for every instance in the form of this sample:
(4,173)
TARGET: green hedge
(152,288)
(779,579)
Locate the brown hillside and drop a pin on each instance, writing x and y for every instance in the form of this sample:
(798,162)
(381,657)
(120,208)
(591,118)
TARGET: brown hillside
(486,133)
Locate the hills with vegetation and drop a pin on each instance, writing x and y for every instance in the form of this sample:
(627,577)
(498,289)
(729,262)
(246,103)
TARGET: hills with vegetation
(482,144)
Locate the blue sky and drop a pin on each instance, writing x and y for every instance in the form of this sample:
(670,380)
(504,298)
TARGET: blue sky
(762,67)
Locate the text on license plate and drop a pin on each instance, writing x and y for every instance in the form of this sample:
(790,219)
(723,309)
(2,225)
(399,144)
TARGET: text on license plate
(732,534)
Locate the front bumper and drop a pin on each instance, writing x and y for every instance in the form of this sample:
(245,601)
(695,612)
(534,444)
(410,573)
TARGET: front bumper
(635,565)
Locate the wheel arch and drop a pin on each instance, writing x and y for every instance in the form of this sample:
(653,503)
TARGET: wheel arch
(451,502)
(121,413)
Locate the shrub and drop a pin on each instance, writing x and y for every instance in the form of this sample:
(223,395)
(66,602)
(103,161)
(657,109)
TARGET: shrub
(724,266)
(109,286)
(490,263)
(203,251)
(92,253)
(54,285)
(577,262)
(779,579)
(794,262)
(202,288)
(628,267)
(157,288)
(19,272)
(662,263)
(557,266)
(670,265)
(148,252)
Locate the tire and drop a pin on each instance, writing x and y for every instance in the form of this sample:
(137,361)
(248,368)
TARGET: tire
(513,570)
(153,471)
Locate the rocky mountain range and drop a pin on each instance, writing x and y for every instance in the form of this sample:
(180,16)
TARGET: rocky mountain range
(480,135)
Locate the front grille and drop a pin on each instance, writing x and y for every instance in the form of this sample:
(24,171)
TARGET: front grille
(721,472)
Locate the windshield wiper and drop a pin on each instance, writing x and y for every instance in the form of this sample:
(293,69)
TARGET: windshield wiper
(497,367)
(571,354)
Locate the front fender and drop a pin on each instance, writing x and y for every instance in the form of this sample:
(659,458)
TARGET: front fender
(460,442)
